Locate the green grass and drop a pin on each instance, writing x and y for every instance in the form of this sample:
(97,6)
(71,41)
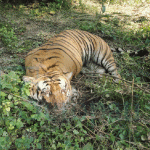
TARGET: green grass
(106,116)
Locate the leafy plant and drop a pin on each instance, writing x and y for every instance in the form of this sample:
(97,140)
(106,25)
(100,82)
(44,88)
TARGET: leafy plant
(66,4)
(8,36)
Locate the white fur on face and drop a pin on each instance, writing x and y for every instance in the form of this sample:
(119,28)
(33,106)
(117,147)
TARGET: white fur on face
(63,87)
(62,84)
(43,86)
(40,96)
(35,96)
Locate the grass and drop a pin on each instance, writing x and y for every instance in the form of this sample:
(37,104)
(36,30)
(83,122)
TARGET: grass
(106,115)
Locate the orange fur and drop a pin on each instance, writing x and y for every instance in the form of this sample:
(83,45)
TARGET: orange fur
(61,58)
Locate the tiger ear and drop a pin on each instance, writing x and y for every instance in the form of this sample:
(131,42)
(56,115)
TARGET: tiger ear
(69,75)
(27,79)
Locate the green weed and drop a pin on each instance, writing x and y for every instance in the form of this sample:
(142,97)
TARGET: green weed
(8,36)
(10,39)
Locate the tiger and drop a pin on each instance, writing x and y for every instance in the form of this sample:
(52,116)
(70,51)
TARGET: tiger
(51,67)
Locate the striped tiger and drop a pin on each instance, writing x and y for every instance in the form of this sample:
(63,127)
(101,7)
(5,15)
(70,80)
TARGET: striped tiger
(50,68)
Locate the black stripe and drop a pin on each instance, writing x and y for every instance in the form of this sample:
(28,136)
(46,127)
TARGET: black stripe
(45,81)
(36,59)
(103,59)
(52,66)
(92,47)
(50,43)
(98,57)
(53,75)
(52,57)
(57,80)
(43,48)
(110,67)
(109,61)
(37,93)
(43,69)
(89,43)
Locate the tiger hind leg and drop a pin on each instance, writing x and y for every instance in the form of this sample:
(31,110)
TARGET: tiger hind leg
(93,68)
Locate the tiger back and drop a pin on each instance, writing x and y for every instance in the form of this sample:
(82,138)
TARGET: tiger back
(50,68)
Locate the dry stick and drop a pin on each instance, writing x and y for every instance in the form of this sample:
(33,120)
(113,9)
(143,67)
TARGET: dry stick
(131,112)
(79,79)
(90,99)
(89,130)
(130,82)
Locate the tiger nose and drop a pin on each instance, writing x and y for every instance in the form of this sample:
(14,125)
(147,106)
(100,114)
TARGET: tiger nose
(46,94)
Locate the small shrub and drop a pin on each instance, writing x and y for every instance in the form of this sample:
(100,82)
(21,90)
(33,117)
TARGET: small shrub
(66,4)
(8,37)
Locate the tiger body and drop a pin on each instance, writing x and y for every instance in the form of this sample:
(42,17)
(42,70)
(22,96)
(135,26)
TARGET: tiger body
(51,67)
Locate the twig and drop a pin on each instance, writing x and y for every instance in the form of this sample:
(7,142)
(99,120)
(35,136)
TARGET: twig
(130,82)
(90,99)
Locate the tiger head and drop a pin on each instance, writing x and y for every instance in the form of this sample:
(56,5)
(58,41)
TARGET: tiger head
(54,90)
